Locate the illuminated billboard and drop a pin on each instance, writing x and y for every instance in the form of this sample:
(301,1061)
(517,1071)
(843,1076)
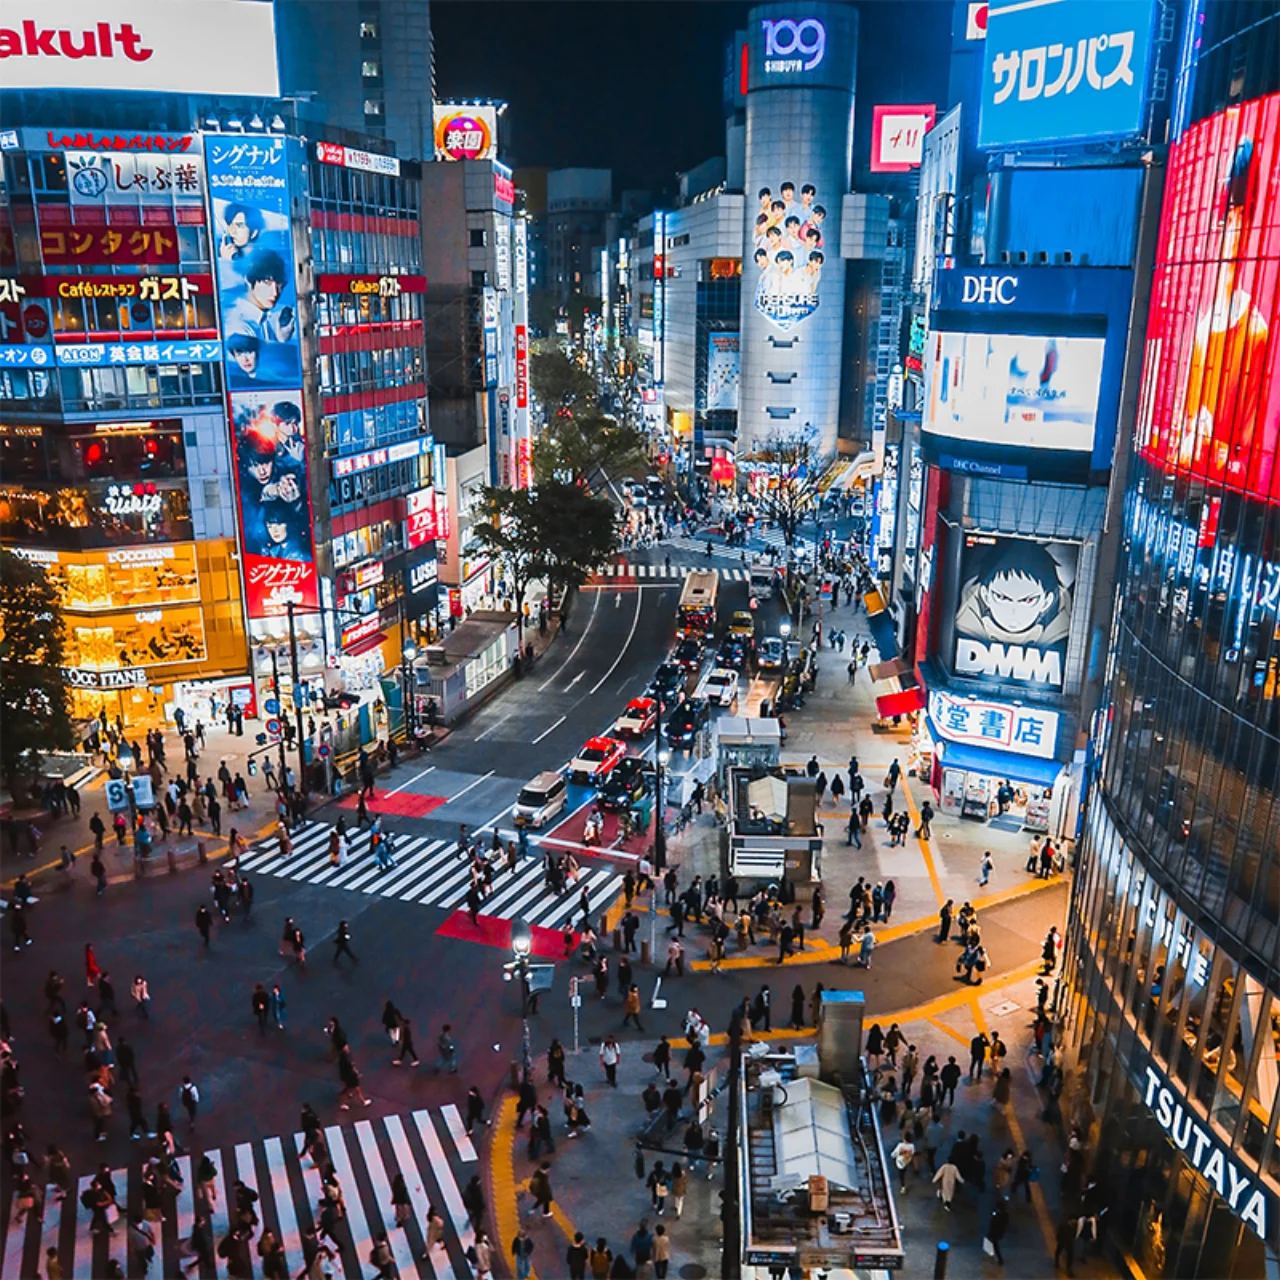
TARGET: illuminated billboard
(897,137)
(1037,392)
(464,132)
(1013,614)
(722,371)
(1062,70)
(249,194)
(220,47)
(1210,400)
(788,252)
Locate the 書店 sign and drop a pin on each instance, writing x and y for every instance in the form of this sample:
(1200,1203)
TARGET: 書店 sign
(1027,731)
(226,48)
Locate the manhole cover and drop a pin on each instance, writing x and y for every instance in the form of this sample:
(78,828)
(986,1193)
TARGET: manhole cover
(1005,1006)
(693,1271)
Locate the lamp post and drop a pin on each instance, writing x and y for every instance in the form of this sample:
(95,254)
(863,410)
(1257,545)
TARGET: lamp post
(661,756)
(409,653)
(521,946)
(297,702)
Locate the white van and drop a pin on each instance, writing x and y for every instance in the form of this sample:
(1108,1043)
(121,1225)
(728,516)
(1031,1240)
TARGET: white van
(541,799)
(762,577)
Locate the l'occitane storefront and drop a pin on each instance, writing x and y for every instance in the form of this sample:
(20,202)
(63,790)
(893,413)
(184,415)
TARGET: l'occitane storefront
(142,622)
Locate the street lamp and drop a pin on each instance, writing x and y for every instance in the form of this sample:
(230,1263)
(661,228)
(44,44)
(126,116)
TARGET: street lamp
(409,653)
(521,946)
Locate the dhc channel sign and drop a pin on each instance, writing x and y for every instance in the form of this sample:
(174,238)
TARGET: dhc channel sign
(784,38)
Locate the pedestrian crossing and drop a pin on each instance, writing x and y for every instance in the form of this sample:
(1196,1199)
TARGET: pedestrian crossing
(429,1147)
(674,573)
(431,872)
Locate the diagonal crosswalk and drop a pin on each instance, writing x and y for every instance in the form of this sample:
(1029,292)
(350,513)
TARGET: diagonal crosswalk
(432,1150)
(430,872)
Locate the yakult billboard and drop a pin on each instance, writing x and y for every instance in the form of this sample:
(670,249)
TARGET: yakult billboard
(221,47)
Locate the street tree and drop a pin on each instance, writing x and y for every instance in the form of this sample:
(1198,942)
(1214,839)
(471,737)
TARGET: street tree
(561,384)
(579,532)
(588,450)
(792,493)
(33,698)
(512,533)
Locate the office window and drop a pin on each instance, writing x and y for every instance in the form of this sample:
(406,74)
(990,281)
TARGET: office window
(368,31)
(372,107)
(477,237)
(371,69)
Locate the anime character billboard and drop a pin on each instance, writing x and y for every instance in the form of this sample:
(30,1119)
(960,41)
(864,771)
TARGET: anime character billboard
(788,253)
(1013,617)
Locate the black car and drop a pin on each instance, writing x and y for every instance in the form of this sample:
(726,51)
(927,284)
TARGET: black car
(732,653)
(626,785)
(685,721)
(687,655)
(668,683)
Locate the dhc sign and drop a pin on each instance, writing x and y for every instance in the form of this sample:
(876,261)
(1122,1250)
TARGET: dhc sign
(1205,1154)
(990,291)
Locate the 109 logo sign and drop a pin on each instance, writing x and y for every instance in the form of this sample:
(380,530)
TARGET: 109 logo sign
(784,39)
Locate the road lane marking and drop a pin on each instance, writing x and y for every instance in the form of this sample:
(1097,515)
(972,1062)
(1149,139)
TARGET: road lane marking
(411,781)
(471,786)
(595,604)
(546,731)
(595,688)
(480,737)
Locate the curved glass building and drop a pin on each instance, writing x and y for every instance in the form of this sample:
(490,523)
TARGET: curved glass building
(1173,977)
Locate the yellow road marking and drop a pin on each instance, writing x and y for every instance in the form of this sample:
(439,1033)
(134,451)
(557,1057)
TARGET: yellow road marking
(951,1031)
(924,844)
(502,1178)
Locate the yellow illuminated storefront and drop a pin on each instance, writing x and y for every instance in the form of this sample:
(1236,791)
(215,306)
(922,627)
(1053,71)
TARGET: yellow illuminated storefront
(149,628)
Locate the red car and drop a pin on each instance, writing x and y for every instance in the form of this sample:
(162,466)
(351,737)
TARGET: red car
(596,759)
(639,717)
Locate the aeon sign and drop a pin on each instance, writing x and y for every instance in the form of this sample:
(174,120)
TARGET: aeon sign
(784,39)
(990,291)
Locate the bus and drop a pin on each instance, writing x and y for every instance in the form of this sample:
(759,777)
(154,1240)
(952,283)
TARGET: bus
(697,609)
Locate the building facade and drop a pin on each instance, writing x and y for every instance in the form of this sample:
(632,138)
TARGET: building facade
(1173,963)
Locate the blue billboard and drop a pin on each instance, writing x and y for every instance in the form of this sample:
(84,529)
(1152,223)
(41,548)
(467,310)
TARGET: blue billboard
(1065,70)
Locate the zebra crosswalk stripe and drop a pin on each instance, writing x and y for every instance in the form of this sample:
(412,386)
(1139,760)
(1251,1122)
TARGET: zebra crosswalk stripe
(366,1157)
(430,872)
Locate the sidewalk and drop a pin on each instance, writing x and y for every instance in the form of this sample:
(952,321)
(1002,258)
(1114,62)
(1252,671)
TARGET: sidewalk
(836,723)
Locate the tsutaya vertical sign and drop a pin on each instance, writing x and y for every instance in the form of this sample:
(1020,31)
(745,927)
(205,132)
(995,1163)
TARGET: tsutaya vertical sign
(659,294)
(1206,1154)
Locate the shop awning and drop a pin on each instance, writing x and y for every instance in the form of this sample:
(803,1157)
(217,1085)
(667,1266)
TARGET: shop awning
(996,764)
(367,645)
(887,670)
(898,702)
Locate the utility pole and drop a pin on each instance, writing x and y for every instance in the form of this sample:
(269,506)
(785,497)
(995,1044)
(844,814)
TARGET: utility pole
(275,689)
(297,701)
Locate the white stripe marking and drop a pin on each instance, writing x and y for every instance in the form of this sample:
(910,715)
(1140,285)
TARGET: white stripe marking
(361,1237)
(405,785)
(282,1193)
(458,1132)
(397,1237)
(547,730)
(219,1221)
(249,1176)
(15,1241)
(412,1181)
(444,1176)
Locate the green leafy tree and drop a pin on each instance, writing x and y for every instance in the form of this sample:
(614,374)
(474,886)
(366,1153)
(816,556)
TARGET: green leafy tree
(561,384)
(512,535)
(793,492)
(588,450)
(579,532)
(33,697)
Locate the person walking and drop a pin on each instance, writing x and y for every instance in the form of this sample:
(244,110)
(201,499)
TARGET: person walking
(204,922)
(948,1078)
(947,1179)
(475,1110)
(986,867)
(141,994)
(997,1225)
(261,1004)
(189,1096)
(945,916)
(659,1187)
(904,1157)
(540,1188)
(279,1006)
(407,1049)
(978,1047)
(522,1252)
(631,1007)
(342,943)
(1049,952)
(926,818)
(350,1079)
(610,1057)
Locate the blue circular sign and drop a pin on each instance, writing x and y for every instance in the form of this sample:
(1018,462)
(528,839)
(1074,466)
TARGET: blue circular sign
(272,706)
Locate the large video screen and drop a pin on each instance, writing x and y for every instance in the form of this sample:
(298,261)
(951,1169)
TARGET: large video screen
(1018,390)
(1013,614)
(1210,400)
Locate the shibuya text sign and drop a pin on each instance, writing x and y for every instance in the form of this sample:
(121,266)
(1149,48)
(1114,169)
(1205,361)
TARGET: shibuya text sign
(223,47)
(793,46)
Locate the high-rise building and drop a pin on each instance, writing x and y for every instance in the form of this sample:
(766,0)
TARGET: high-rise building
(363,65)
(579,202)
(1172,970)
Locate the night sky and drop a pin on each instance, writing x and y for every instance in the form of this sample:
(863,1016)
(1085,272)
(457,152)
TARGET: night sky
(585,78)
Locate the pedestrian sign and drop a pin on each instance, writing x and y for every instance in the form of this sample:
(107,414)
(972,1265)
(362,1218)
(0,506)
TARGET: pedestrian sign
(272,706)
(540,976)
(573,988)
(117,794)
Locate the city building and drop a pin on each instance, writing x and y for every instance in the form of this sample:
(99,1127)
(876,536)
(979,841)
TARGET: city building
(214,386)
(475,251)
(362,65)
(1172,986)
(575,227)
